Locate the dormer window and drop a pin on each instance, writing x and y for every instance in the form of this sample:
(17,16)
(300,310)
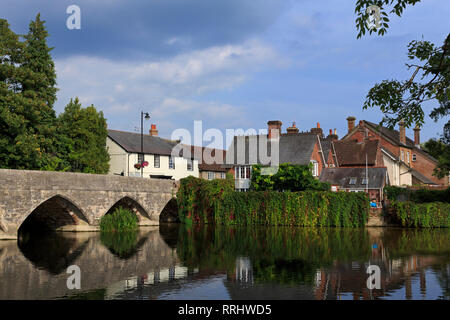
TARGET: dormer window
(352,181)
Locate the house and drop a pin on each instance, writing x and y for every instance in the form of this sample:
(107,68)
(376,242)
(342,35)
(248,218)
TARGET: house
(211,165)
(125,151)
(406,163)
(358,179)
(293,147)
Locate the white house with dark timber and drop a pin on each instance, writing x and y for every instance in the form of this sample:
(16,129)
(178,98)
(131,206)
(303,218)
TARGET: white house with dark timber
(125,151)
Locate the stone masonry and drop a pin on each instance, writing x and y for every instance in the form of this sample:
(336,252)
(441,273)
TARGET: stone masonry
(85,197)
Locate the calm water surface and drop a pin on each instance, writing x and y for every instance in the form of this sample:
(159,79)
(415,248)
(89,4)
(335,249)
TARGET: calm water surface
(178,262)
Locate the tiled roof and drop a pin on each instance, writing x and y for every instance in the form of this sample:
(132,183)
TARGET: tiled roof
(342,177)
(352,153)
(131,142)
(394,136)
(421,177)
(293,148)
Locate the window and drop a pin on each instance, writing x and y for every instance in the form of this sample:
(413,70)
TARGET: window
(210,175)
(407,157)
(315,168)
(156,160)
(352,181)
(414,157)
(190,166)
(364,181)
(140,157)
(402,157)
(223,175)
(171,163)
(243,172)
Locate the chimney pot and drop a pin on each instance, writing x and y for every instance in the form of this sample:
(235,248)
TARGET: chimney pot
(293,129)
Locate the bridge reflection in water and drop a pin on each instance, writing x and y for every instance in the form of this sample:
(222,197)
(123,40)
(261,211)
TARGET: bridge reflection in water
(178,262)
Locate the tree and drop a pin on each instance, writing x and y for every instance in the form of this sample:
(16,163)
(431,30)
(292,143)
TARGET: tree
(27,95)
(430,79)
(441,151)
(288,178)
(82,132)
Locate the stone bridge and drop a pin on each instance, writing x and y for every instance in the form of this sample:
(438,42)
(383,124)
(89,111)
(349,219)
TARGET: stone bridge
(76,201)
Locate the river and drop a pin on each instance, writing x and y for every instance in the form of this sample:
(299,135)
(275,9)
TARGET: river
(205,262)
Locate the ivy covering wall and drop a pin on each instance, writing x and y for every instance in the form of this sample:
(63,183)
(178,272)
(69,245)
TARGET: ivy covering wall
(203,201)
(422,215)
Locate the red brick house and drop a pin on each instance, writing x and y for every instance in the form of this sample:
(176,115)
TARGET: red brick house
(406,162)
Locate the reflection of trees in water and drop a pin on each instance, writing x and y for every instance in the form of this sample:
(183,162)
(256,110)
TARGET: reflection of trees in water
(284,255)
(51,251)
(123,245)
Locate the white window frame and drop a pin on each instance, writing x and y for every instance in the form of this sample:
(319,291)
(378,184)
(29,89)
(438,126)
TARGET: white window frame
(223,175)
(190,165)
(171,163)
(156,157)
(211,175)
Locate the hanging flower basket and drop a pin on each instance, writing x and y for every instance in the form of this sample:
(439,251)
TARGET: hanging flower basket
(137,165)
(145,164)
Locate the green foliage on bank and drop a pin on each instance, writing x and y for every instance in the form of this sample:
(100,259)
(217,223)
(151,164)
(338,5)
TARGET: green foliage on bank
(307,208)
(198,198)
(121,244)
(288,177)
(417,195)
(119,220)
(422,215)
(203,201)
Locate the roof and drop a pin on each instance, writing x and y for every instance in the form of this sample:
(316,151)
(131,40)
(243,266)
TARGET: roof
(352,153)
(421,177)
(131,142)
(341,177)
(205,164)
(293,148)
(394,136)
(326,147)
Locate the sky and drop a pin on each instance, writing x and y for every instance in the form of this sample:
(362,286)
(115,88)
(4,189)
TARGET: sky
(229,63)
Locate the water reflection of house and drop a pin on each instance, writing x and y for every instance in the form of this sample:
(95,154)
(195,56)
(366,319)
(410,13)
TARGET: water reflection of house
(351,278)
(244,271)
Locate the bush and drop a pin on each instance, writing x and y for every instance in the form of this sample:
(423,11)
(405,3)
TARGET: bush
(288,178)
(422,215)
(119,220)
(203,201)
(198,198)
(419,196)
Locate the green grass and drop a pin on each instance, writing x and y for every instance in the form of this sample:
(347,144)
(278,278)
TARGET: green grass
(118,221)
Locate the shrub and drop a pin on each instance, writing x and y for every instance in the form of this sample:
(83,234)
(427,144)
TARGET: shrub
(394,193)
(288,178)
(119,220)
(422,215)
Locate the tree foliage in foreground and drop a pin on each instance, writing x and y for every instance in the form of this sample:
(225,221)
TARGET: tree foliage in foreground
(429,80)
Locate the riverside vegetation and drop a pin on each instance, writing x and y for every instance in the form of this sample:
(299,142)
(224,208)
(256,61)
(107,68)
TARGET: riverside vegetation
(422,208)
(300,204)
(120,220)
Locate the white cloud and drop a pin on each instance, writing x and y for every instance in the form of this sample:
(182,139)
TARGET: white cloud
(169,88)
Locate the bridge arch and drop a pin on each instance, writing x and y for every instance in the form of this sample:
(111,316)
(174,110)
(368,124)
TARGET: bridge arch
(57,212)
(128,202)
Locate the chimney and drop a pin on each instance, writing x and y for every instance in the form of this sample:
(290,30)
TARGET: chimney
(317,130)
(332,136)
(274,129)
(153,131)
(351,123)
(401,129)
(293,129)
(417,137)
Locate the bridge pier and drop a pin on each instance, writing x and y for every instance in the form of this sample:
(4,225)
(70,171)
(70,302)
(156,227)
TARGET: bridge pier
(74,201)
